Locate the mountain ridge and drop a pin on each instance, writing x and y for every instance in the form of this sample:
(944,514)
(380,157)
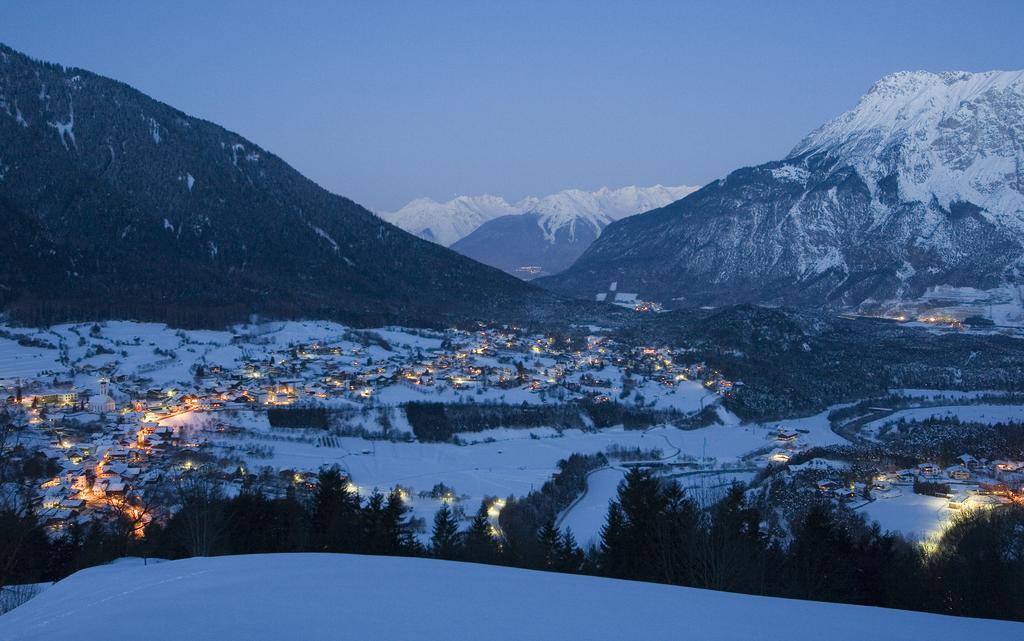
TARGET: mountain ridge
(919,185)
(127,207)
(448,222)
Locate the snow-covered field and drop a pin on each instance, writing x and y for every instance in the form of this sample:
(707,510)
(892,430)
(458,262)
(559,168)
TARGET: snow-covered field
(495,463)
(915,516)
(990,414)
(321,596)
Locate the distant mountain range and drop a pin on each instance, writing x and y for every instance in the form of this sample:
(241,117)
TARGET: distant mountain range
(920,186)
(116,205)
(534,236)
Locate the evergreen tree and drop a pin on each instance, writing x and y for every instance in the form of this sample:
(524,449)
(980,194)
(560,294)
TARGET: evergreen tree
(735,553)
(821,559)
(401,538)
(550,540)
(643,505)
(677,537)
(445,542)
(570,557)
(336,514)
(613,542)
(480,545)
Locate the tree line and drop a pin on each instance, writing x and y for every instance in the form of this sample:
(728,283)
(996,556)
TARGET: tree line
(654,531)
(433,422)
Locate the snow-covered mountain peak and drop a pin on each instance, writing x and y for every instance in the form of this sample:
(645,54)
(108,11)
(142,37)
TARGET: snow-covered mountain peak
(448,222)
(910,100)
(952,137)
(599,208)
(444,223)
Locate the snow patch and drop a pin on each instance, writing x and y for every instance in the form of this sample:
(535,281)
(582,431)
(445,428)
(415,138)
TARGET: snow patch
(154,130)
(791,173)
(66,130)
(322,234)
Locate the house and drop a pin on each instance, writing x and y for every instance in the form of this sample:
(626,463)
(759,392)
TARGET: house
(845,493)
(993,489)
(968,461)
(958,472)
(959,501)
(906,476)
(928,469)
(57,397)
(786,435)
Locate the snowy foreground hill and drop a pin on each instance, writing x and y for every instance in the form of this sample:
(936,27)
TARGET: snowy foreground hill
(334,596)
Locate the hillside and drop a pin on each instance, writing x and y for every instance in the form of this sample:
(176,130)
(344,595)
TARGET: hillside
(520,245)
(318,596)
(117,205)
(919,187)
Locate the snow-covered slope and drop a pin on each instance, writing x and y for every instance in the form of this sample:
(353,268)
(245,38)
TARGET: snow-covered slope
(572,207)
(920,185)
(952,137)
(445,223)
(322,596)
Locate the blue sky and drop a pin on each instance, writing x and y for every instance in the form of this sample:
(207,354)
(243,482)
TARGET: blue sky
(384,102)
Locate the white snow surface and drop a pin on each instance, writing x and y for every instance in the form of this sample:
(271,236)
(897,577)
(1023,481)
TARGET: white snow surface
(957,134)
(915,516)
(445,223)
(334,596)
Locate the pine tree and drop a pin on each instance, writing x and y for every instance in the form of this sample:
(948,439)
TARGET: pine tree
(570,556)
(445,543)
(643,505)
(335,518)
(613,542)
(374,531)
(398,526)
(480,545)
(550,541)
(734,554)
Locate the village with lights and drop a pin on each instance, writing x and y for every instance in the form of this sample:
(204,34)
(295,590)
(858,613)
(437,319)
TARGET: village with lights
(113,415)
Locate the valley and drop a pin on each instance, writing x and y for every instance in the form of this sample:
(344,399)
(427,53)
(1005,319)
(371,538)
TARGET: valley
(116,413)
(236,403)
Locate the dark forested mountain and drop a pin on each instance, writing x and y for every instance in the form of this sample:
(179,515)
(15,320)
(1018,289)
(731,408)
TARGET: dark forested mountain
(116,205)
(519,245)
(920,185)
